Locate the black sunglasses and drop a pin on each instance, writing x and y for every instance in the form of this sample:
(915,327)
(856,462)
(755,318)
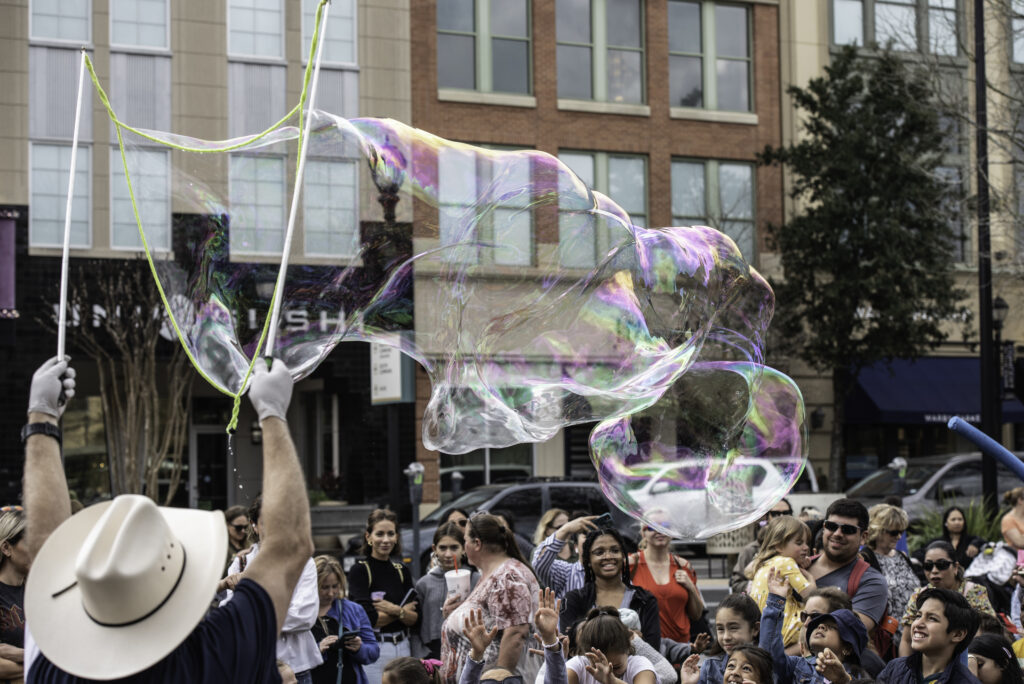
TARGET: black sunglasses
(894,533)
(461,522)
(848,530)
(240,528)
(779,514)
(805,616)
(941,564)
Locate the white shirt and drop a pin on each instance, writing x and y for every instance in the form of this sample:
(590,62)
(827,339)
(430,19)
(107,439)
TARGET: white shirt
(634,666)
(295,645)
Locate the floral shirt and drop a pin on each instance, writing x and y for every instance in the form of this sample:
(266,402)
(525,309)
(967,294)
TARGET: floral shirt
(508,597)
(975,594)
(903,584)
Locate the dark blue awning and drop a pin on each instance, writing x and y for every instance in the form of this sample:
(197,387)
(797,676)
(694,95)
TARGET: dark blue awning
(930,390)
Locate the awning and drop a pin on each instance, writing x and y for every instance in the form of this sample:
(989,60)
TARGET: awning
(929,390)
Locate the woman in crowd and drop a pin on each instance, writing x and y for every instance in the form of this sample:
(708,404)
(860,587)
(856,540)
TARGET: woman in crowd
(785,549)
(341,629)
(885,527)
(672,581)
(457,516)
(238,531)
(383,587)
(954,531)
(14,567)
(548,524)
(943,572)
(432,589)
(607,583)
(990,660)
(505,597)
(1013,522)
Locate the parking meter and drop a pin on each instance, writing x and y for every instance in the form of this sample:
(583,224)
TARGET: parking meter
(415,474)
(457,478)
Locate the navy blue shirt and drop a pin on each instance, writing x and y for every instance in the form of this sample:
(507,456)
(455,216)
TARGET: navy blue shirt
(234,643)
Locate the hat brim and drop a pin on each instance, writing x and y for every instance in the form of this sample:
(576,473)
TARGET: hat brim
(75,643)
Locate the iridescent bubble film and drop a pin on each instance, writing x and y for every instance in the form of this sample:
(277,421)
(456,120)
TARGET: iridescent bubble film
(532,302)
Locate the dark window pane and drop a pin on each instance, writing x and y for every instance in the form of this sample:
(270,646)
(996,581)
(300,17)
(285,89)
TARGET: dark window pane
(625,77)
(508,18)
(456,15)
(684,27)
(624,23)
(731,31)
(733,86)
(574,79)
(456,60)
(686,82)
(572,18)
(511,66)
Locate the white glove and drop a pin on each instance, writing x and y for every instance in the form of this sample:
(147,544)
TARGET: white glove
(53,385)
(270,391)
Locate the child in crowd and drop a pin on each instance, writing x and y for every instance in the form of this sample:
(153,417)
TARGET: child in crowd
(737,622)
(992,662)
(408,670)
(834,640)
(944,626)
(785,549)
(432,589)
(748,664)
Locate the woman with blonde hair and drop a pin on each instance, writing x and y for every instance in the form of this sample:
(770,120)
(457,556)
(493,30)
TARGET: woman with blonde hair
(550,523)
(886,524)
(1013,522)
(14,566)
(786,548)
(342,630)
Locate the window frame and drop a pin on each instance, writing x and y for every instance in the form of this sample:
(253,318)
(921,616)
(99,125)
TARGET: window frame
(713,199)
(232,248)
(89,195)
(483,57)
(922,28)
(709,57)
(281,58)
(62,42)
(115,163)
(349,66)
(354,163)
(599,48)
(1015,26)
(130,47)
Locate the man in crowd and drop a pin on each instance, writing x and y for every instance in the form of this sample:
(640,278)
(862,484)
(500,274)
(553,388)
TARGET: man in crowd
(844,531)
(119,591)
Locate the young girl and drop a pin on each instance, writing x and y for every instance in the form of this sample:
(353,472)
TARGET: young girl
(748,664)
(432,589)
(785,549)
(406,670)
(737,622)
(604,642)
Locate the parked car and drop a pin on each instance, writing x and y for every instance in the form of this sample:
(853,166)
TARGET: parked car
(526,500)
(932,482)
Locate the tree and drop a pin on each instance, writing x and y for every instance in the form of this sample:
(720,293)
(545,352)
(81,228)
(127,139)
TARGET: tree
(145,382)
(867,263)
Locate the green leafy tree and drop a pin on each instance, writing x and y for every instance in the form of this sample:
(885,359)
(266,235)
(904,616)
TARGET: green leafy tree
(867,261)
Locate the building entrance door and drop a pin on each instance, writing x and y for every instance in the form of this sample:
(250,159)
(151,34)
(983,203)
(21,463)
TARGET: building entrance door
(209,468)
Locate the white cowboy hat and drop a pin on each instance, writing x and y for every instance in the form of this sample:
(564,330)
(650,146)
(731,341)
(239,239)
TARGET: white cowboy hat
(121,584)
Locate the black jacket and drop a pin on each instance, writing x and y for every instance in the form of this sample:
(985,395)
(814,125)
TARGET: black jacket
(908,671)
(578,602)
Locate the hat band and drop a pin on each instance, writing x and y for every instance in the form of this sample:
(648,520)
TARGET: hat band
(184,560)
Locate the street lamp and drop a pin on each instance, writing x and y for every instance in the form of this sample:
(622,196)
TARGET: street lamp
(999,310)
(992,399)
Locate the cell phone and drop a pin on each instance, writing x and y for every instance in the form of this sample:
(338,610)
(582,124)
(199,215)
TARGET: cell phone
(604,521)
(347,635)
(1020,557)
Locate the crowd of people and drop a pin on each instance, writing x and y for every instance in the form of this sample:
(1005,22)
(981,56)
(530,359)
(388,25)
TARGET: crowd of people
(815,598)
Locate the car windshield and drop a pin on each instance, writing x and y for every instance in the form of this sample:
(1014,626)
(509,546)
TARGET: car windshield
(883,482)
(468,502)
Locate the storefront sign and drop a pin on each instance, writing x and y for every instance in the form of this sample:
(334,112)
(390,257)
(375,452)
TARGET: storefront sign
(392,375)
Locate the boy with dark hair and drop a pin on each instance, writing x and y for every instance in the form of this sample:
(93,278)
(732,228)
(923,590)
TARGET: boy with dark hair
(941,633)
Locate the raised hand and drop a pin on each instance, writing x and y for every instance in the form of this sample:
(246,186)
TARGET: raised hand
(570,529)
(777,583)
(689,673)
(478,634)
(53,384)
(270,390)
(830,667)
(546,617)
(599,668)
(701,643)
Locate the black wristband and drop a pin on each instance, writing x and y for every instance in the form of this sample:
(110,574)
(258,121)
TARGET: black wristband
(48,429)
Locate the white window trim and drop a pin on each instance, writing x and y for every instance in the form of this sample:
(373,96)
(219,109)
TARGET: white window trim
(31,220)
(356,195)
(262,59)
(232,250)
(347,66)
(115,163)
(60,42)
(143,49)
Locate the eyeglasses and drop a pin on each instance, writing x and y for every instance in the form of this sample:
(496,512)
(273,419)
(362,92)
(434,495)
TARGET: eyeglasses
(894,533)
(779,514)
(807,617)
(848,530)
(941,564)
(461,522)
(240,528)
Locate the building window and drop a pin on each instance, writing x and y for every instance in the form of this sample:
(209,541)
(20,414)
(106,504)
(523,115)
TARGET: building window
(484,45)
(584,238)
(54,20)
(710,62)
(484,207)
(717,194)
(1017,27)
(257,204)
(484,466)
(151,183)
(340,47)
(329,205)
(601,50)
(139,23)
(256,28)
(908,25)
(952,206)
(51,165)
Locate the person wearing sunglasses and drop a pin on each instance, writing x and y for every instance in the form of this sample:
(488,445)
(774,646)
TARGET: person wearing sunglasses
(943,572)
(844,531)
(238,531)
(887,524)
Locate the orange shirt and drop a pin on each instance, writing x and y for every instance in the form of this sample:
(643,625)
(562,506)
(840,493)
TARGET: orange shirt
(672,598)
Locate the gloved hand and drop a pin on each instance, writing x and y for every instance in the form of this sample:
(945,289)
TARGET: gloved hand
(270,391)
(53,385)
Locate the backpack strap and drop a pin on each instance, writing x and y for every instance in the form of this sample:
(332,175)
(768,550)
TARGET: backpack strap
(856,575)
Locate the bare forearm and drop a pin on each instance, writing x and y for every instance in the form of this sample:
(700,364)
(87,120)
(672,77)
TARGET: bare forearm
(47,502)
(512,642)
(694,605)
(409,617)
(285,513)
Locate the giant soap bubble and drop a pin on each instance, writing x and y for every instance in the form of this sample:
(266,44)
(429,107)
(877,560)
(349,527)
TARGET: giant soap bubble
(532,302)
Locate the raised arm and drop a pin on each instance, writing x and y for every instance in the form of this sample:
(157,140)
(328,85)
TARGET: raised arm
(287,541)
(47,502)
(553,571)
